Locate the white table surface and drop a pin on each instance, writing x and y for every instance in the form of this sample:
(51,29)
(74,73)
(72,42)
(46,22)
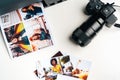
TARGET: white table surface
(64,18)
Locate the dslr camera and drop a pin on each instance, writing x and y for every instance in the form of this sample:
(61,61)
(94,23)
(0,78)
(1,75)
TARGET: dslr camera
(101,14)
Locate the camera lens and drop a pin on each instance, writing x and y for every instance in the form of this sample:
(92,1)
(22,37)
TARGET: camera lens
(86,32)
(80,37)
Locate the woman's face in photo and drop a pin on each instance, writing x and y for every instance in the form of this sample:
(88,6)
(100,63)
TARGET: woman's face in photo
(54,62)
(15,40)
(24,10)
(34,37)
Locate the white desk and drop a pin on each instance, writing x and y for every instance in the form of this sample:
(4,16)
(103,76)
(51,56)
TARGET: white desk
(64,18)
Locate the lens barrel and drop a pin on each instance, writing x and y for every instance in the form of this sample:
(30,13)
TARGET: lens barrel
(86,32)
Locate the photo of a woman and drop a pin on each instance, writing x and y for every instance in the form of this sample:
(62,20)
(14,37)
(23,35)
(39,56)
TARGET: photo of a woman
(31,11)
(18,40)
(56,67)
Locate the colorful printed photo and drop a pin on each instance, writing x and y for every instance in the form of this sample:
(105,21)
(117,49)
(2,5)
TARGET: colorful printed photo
(38,33)
(63,77)
(25,30)
(44,73)
(65,65)
(31,11)
(17,40)
(9,19)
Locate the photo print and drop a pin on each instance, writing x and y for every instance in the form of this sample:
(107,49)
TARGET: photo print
(9,19)
(25,30)
(17,40)
(31,11)
(38,33)
(62,77)
(64,65)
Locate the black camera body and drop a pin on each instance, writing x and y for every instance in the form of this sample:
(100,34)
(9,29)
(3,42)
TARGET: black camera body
(100,14)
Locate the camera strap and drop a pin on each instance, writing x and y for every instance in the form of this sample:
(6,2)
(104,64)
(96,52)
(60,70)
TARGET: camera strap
(117,25)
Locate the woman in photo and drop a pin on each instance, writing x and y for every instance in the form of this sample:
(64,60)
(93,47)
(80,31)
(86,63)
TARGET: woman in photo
(18,40)
(31,11)
(55,66)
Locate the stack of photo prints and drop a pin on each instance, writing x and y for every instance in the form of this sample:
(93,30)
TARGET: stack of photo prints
(25,30)
(62,67)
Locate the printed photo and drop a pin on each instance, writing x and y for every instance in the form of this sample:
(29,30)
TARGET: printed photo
(65,65)
(25,30)
(63,77)
(38,33)
(45,73)
(9,19)
(17,40)
(31,11)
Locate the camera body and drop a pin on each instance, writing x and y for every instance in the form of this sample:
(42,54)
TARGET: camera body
(100,14)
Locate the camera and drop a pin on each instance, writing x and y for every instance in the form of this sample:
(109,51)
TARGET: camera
(101,14)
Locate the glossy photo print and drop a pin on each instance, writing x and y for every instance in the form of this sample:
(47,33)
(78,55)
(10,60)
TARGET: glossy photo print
(45,73)
(63,77)
(70,66)
(10,18)
(31,11)
(25,30)
(66,65)
(38,33)
(17,40)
